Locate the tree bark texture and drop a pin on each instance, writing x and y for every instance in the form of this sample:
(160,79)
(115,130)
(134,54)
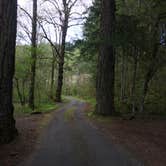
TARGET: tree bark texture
(133,96)
(52,78)
(123,76)
(34,57)
(152,69)
(8,15)
(62,56)
(20,95)
(106,60)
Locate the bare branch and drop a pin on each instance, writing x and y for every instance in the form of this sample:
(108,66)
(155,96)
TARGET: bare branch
(25,12)
(49,40)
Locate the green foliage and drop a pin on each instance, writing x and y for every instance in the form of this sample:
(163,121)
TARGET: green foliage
(22,62)
(135,39)
(135,30)
(22,73)
(42,107)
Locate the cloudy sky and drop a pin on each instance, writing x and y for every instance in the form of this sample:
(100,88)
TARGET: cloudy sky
(73,32)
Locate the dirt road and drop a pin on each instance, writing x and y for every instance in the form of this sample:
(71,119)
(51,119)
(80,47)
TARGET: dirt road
(70,140)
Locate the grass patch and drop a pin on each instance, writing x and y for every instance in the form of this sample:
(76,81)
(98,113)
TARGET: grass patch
(92,101)
(47,107)
(65,99)
(21,110)
(44,108)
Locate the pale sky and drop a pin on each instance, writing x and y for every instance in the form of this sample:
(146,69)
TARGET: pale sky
(73,32)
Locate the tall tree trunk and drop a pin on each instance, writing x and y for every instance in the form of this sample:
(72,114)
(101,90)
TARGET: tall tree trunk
(52,78)
(52,74)
(134,80)
(148,77)
(34,57)
(152,69)
(23,91)
(106,60)
(8,14)
(123,77)
(19,92)
(61,59)
(60,75)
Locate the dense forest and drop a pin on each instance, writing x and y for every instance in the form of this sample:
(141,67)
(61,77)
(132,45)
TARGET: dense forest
(139,45)
(118,64)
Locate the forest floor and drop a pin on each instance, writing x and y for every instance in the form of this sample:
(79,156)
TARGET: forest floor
(144,138)
(16,151)
(70,136)
(30,128)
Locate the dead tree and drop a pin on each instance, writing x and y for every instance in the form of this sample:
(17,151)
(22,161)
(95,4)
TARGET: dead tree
(61,17)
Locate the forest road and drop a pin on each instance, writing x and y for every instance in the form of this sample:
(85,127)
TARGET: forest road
(70,140)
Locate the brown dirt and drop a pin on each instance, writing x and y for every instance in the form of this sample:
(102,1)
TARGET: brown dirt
(144,138)
(29,128)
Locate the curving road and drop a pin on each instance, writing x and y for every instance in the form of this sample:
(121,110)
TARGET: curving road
(70,140)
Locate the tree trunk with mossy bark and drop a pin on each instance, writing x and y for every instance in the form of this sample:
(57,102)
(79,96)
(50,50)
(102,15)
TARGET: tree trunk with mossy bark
(8,15)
